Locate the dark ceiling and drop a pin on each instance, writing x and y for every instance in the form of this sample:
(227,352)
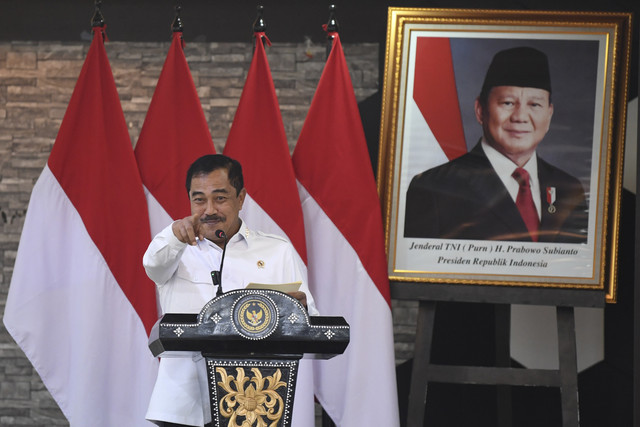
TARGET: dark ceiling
(232,20)
(217,20)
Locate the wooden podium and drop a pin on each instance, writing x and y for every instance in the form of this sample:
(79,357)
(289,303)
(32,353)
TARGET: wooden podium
(252,342)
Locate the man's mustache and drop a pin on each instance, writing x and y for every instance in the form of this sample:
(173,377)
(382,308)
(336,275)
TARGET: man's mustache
(212,218)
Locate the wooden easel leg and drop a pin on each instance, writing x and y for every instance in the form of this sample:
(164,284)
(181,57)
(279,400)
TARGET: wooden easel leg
(568,366)
(421,361)
(503,360)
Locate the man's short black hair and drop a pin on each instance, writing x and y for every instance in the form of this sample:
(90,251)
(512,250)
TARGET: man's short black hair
(211,162)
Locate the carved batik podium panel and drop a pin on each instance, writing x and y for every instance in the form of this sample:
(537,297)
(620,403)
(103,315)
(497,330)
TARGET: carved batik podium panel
(255,392)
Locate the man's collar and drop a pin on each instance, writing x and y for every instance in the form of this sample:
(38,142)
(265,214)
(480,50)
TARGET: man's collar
(504,165)
(243,233)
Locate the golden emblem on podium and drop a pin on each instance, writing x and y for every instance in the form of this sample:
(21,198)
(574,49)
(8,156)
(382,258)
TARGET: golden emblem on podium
(255,316)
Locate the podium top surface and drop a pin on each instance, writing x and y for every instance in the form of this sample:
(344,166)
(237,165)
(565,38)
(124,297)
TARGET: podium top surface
(254,322)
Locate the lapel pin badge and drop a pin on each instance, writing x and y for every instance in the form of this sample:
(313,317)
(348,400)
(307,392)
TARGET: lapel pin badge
(551,199)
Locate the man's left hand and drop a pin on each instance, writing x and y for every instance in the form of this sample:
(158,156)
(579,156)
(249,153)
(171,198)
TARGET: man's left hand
(300,296)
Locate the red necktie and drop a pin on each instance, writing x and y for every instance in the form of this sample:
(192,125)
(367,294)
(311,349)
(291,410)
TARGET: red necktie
(524,202)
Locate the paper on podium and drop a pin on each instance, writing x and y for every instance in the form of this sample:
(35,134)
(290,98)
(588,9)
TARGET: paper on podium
(282,287)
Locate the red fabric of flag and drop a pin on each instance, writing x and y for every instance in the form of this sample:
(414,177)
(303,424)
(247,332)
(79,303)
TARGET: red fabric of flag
(257,139)
(435,94)
(93,161)
(174,134)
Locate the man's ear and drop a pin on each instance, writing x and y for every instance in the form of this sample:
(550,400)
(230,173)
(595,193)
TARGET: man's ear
(550,116)
(241,196)
(477,107)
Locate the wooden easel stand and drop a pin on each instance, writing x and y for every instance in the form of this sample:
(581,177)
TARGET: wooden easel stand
(502,375)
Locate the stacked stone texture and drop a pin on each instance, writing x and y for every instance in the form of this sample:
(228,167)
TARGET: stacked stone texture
(36,82)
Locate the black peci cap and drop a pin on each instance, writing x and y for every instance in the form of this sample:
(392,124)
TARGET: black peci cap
(519,66)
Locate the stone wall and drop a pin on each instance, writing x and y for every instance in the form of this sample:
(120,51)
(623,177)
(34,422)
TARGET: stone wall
(36,81)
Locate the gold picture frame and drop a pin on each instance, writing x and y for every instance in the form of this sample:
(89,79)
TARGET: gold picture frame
(436,60)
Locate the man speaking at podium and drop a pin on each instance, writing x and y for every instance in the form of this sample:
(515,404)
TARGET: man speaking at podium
(180,260)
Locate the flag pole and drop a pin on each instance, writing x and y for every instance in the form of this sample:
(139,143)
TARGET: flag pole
(259,25)
(331,27)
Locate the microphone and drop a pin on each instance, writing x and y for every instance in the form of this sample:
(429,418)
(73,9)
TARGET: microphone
(216,275)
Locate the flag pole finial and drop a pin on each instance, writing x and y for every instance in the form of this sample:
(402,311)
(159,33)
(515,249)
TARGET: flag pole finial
(176,25)
(97,20)
(331,27)
(259,25)
(332,23)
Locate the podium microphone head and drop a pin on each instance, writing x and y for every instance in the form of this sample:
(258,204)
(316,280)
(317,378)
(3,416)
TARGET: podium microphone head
(221,234)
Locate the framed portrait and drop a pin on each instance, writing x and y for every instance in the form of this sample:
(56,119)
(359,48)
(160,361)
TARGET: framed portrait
(472,98)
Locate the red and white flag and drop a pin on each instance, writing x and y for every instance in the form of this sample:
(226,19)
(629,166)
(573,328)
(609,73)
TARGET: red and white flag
(347,263)
(174,134)
(257,139)
(80,305)
(432,121)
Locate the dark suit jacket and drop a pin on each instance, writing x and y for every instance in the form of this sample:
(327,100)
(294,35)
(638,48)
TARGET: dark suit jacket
(465,199)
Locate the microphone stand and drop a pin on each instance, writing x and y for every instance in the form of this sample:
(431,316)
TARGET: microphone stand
(216,275)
